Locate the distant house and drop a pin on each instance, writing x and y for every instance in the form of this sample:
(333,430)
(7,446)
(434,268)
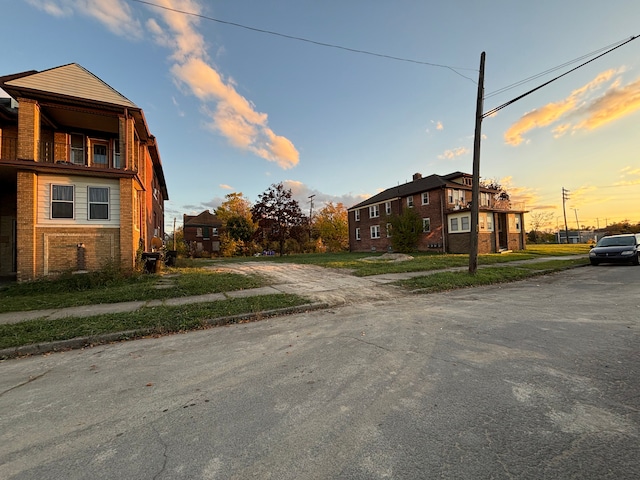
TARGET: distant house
(202,232)
(81,181)
(443,202)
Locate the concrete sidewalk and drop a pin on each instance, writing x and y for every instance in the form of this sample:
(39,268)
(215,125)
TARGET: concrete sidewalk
(318,289)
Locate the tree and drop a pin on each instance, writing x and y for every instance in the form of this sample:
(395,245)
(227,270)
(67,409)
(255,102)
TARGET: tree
(405,230)
(276,212)
(237,223)
(332,227)
(537,220)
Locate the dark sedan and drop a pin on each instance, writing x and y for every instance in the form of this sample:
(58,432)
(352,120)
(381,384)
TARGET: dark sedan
(623,248)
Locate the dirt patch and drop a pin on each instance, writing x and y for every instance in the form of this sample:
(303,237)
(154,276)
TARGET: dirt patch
(388,258)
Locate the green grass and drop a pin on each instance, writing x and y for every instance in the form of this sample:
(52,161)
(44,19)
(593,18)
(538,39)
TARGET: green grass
(555,249)
(442,281)
(143,322)
(100,287)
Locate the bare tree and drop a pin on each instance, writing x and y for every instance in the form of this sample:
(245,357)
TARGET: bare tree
(537,220)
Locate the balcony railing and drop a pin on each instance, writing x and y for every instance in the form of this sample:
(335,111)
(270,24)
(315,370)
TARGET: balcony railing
(65,153)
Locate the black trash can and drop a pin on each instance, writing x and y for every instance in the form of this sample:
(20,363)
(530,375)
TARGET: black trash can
(170,258)
(150,261)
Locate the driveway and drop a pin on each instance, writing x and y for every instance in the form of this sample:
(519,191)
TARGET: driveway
(530,380)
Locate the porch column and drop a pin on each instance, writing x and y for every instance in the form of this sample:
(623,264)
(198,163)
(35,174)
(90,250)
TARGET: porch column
(26,226)
(28,129)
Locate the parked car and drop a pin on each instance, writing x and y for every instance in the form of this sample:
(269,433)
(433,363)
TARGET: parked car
(623,248)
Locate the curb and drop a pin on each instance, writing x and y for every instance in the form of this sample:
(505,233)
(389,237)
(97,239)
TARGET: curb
(91,341)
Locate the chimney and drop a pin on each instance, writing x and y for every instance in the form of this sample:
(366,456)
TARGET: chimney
(417,176)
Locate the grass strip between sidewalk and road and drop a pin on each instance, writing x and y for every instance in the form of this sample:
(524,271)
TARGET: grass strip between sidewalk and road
(145,321)
(442,281)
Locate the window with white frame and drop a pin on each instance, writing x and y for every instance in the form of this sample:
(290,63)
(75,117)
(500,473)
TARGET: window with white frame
(455,196)
(388,228)
(410,201)
(387,208)
(485,199)
(464,223)
(517,222)
(459,223)
(375,231)
(116,154)
(357,234)
(490,222)
(374,211)
(62,201)
(356,215)
(425,198)
(454,225)
(426,225)
(98,203)
(198,231)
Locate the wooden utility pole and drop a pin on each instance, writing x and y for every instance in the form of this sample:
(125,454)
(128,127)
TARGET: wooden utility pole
(475,187)
(565,197)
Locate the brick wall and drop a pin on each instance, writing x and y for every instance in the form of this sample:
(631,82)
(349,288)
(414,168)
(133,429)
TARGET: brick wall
(25,225)
(28,129)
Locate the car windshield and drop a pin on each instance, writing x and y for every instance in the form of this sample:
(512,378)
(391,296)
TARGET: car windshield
(616,242)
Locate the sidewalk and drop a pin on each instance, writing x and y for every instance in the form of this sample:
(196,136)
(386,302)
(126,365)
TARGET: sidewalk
(300,288)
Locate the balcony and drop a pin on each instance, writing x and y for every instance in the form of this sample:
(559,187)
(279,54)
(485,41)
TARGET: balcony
(99,155)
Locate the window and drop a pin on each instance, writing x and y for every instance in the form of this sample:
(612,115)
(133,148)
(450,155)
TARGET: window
(374,211)
(387,208)
(425,198)
(198,231)
(98,203)
(388,228)
(454,225)
(464,223)
(99,153)
(205,233)
(357,234)
(490,222)
(214,231)
(116,154)
(485,199)
(375,231)
(426,225)
(77,149)
(517,222)
(456,197)
(356,214)
(410,201)
(62,201)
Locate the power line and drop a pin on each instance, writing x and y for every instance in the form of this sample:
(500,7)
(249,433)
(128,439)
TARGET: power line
(553,69)
(506,104)
(301,39)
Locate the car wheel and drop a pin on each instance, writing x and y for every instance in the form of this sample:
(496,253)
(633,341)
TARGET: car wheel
(636,260)
(594,262)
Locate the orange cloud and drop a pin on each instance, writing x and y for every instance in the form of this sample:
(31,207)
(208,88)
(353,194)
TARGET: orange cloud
(456,152)
(615,103)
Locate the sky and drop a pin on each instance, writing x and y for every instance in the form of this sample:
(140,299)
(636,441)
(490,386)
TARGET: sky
(343,99)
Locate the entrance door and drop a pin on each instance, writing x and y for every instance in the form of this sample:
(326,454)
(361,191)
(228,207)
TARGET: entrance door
(503,242)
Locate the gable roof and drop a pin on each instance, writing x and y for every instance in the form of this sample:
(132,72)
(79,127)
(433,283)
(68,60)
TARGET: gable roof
(206,218)
(71,81)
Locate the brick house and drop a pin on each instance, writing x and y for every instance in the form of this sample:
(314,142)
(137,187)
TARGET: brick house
(81,181)
(443,203)
(202,232)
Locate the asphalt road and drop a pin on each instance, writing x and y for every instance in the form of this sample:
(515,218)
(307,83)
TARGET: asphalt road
(532,380)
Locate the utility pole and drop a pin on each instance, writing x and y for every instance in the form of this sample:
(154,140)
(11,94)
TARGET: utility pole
(310,213)
(475,187)
(174,233)
(575,210)
(565,197)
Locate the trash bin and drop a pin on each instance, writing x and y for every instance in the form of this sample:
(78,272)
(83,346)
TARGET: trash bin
(170,258)
(150,261)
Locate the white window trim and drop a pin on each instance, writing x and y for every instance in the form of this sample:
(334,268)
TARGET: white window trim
(459,218)
(374,211)
(423,197)
(89,203)
(356,215)
(374,230)
(410,201)
(72,202)
(358,237)
(387,208)
(428,220)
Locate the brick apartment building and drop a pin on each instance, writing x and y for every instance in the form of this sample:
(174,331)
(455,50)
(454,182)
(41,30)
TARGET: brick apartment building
(81,181)
(443,203)
(202,232)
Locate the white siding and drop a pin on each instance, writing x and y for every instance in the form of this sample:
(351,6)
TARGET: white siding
(81,205)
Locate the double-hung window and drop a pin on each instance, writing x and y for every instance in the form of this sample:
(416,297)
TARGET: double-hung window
(454,225)
(356,215)
(77,149)
(374,211)
(98,203)
(388,228)
(375,231)
(62,198)
(410,201)
(464,223)
(426,225)
(100,153)
(357,234)
(425,198)
(387,208)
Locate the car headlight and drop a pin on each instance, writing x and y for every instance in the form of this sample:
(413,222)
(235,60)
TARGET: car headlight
(592,253)
(627,253)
